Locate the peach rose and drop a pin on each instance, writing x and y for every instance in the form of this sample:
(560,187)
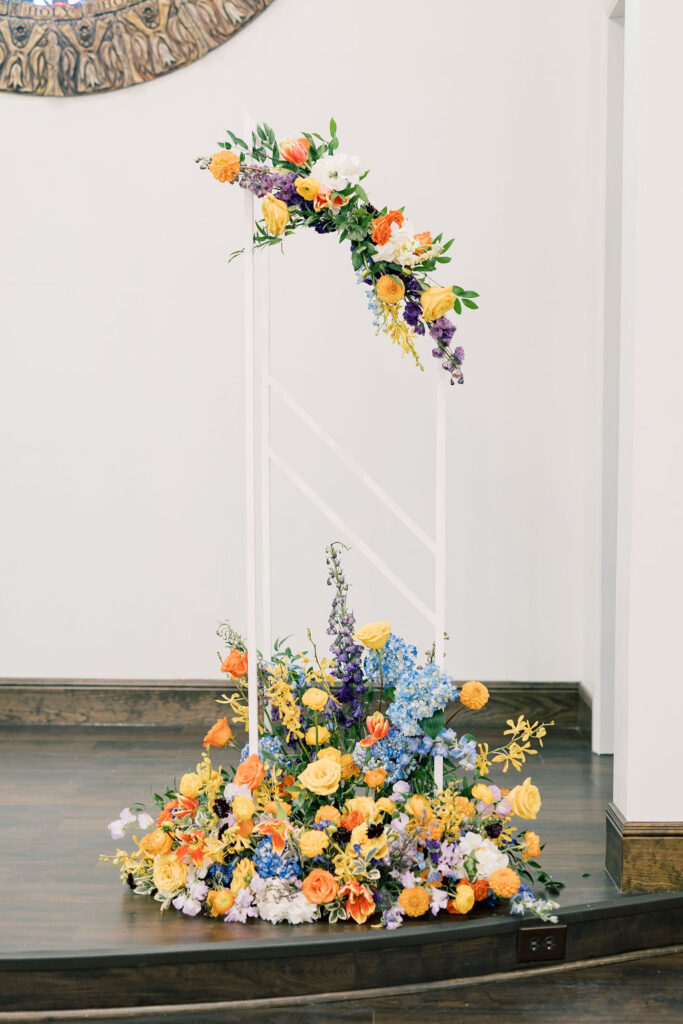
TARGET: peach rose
(156,842)
(250,773)
(170,874)
(424,238)
(313,842)
(235,664)
(321,777)
(481,889)
(225,165)
(320,886)
(390,289)
(294,151)
(219,901)
(436,301)
(219,735)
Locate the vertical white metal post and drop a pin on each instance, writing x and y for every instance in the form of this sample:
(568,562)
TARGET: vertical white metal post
(264,446)
(250,469)
(442,384)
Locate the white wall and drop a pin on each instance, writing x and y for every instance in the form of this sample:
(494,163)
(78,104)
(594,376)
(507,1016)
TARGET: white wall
(120,390)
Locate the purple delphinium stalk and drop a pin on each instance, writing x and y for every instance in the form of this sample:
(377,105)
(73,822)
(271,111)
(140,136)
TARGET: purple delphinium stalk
(348,655)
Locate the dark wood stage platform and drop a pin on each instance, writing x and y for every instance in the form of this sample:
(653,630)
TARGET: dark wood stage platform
(72,938)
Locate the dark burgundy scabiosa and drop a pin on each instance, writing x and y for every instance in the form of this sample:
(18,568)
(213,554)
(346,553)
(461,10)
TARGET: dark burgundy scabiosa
(221,807)
(494,829)
(341,836)
(347,654)
(374,831)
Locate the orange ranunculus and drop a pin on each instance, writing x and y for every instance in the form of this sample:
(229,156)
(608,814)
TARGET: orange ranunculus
(277,807)
(278,830)
(245,828)
(390,289)
(349,768)
(235,664)
(375,777)
(360,905)
(219,901)
(225,166)
(415,901)
(425,239)
(251,772)
(481,889)
(295,151)
(352,820)
(319,886)
(327,813)
(532,845)
(156,842)
(381,226)
(377,727)
(219,735)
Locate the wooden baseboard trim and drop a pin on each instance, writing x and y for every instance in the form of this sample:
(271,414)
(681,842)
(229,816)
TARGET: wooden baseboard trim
(192,702)
(644,856)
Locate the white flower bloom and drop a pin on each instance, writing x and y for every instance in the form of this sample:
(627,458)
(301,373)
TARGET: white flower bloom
(281,900)
(145,820)
(403,248)
(126,816)
(486,854)
(337,171)
(116,829)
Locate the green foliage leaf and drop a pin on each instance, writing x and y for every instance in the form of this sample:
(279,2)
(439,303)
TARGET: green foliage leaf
(434,725)
(470,304)
(457,306)
(333,127)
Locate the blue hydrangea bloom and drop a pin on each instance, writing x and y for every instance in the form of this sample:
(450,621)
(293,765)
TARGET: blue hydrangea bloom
(393,753)
(270,864)
(398,657)
(269,748)
(222,873)
(418,694)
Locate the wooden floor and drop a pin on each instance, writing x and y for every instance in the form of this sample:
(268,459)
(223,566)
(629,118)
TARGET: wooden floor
(63,784)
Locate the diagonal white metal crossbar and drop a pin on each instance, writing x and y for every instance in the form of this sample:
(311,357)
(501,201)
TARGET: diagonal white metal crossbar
(351,464)
(260,455)
(357,541)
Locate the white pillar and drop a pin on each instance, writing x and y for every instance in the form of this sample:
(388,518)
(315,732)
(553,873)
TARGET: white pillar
(649,607)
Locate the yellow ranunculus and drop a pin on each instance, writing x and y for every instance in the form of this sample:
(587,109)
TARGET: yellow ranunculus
(243,807)
(275,214)
(349,768)
(419,808)
(312,843)
(525,800)
(316,735)
(483,793)
(463,900)
(219,901)
(170,874)
(189,785)
(364,804)
(307,188)
(385,804)
(331,752)
(243,874)
(321,777)
(315,698)
(374,635)
(436,301)
(156,842)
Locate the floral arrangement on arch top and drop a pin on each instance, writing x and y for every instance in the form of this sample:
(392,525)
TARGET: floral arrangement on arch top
(337,815)
(306,181)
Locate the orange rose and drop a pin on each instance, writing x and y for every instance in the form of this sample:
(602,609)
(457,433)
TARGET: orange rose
(375,777)
(225,166)
(390,289)
(250,773)
(414,901)
(295,151)
(425,238)
(219,735)
(319,886)
(381,226)
(481,890)
(235,664)
(352,820)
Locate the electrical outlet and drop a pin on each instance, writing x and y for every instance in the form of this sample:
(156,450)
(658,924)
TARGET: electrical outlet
(542,942)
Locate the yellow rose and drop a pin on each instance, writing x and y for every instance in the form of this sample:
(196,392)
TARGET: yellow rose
(275,214)
(312,843)
(419,808)
(243,808)
(307,188)
(385,804)
(156,842)
(244,872)
(331,752)
(436,301)
(316,735)
(321,777)
(364,804)
(315,698)
(189,785)
(349,768)
(219,901)
(483,793)
(374,635)
(525,800)
(170,874)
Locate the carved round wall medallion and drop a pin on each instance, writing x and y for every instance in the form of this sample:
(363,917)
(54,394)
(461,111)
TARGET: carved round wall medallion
(108,44)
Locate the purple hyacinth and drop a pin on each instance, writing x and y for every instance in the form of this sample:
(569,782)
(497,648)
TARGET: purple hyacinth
(442,329)
(348,655)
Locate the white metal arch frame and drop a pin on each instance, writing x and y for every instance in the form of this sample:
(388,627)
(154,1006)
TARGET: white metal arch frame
(260,455)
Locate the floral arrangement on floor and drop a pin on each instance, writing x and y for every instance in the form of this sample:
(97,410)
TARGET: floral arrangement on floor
(307,182)
(337,815)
